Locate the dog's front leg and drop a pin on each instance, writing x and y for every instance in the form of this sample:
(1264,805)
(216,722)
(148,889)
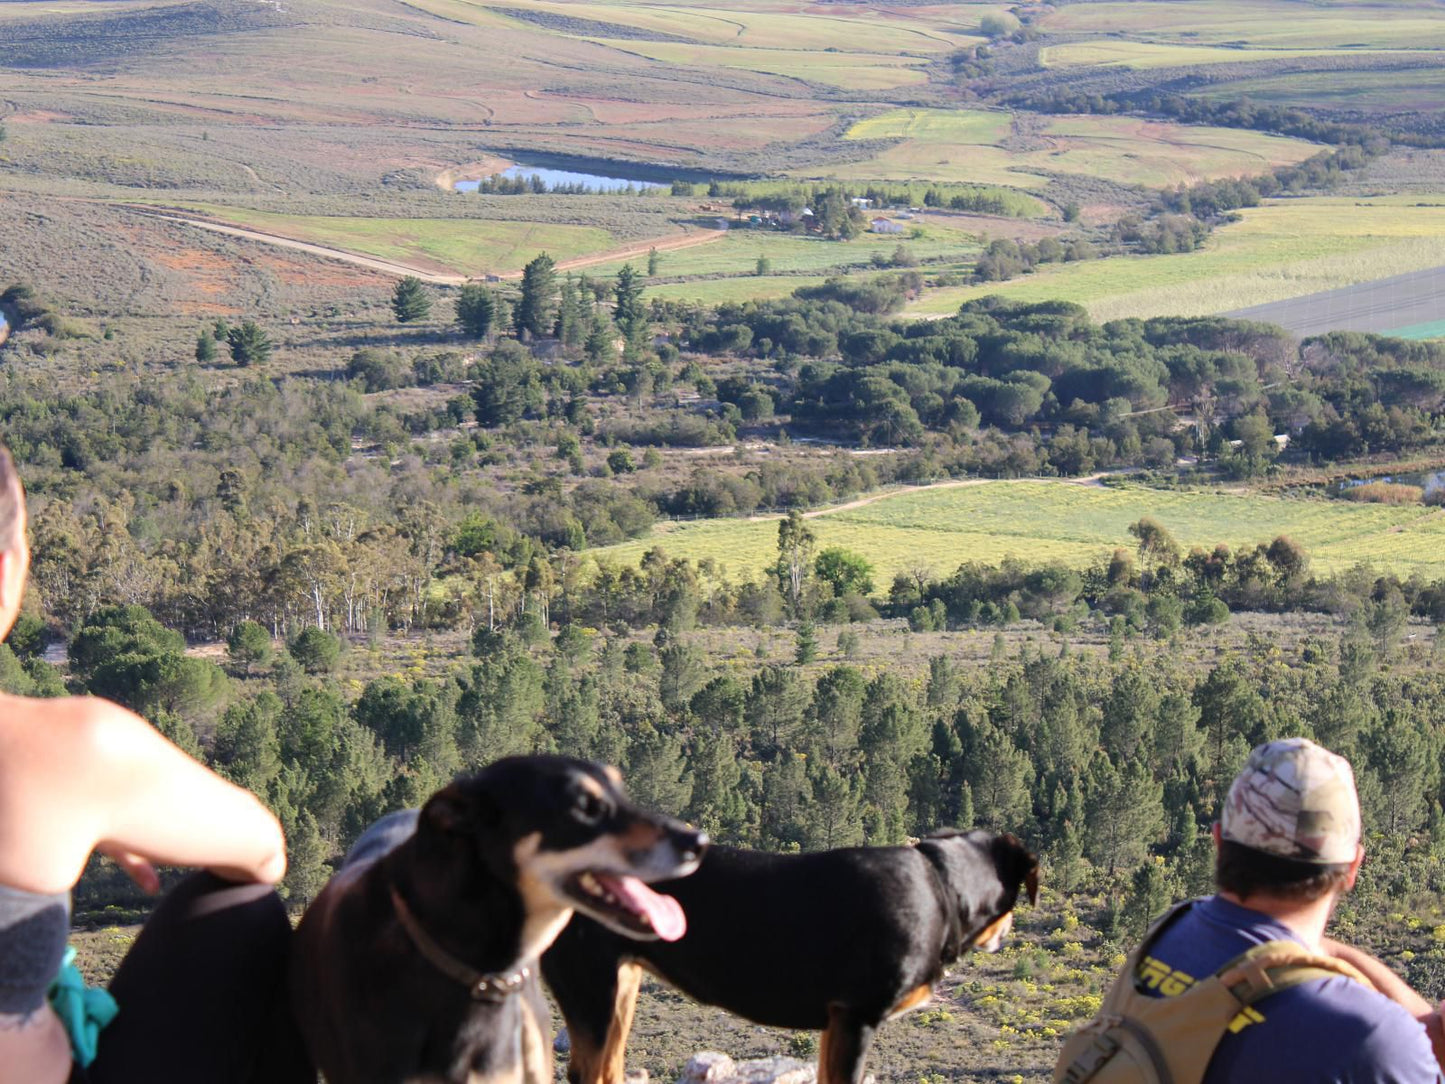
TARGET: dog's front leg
(536,1036)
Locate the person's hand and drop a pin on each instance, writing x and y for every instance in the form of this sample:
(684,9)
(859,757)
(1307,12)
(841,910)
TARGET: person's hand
(136,868)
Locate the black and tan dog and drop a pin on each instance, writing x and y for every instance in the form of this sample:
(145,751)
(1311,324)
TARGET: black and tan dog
(838,941)
(417,961)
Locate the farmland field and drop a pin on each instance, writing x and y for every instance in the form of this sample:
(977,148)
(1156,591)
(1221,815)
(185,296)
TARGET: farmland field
(1069,522)
(465,247)
(1281,249)
(1260,24)
(705,267)
(1143,55)
(978,146)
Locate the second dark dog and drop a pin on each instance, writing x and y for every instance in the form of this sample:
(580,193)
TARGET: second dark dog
(417,961)
(838,941)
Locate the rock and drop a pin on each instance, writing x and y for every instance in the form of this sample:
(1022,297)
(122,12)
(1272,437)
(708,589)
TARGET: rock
(636,1076)
(709,1067)
(563,1042)
(775,1070)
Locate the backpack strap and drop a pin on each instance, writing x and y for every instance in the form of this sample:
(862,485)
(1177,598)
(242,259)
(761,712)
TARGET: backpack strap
(1166,920)
(1278,965)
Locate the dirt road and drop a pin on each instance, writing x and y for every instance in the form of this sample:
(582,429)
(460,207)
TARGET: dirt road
(401,270)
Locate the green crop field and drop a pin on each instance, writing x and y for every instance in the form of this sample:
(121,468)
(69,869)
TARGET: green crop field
(460,246)
(737,254)
(1077,524)
(723,291)
(1281,249)
(972,145)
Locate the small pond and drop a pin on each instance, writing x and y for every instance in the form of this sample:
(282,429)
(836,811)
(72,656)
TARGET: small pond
(563,178)
(1429,481)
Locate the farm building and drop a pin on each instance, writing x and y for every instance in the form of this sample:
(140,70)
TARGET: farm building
(885,225)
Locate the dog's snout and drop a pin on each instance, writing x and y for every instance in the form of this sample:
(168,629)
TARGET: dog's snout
(690,844)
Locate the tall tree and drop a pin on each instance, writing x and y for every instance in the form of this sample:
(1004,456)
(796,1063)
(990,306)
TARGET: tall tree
(536,311)
(628,310)
(476,310)
(795,562)
(1124,812)
(249,344)
(409,302)
(509,387)
(572,323)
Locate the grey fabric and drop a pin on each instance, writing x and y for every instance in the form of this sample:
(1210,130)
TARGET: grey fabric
(33,931)
(381,836)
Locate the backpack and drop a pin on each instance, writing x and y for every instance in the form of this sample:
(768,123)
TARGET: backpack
(1139,1039)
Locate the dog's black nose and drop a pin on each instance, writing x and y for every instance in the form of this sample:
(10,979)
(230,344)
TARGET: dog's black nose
(690,845)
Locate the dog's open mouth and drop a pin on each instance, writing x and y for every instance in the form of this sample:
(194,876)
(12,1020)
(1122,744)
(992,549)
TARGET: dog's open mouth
(627,903)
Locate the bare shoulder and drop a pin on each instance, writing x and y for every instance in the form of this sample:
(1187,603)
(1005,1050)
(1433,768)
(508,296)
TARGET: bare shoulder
(50,812)
(67,730)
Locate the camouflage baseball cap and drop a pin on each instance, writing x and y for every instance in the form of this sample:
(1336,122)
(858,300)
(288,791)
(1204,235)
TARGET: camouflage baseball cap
(1297,800)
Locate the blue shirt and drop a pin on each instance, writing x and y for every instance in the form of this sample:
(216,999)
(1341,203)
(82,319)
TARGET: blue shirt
(1326,1031)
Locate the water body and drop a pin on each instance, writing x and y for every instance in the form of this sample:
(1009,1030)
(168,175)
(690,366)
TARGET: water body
(558,177)
(1429,481)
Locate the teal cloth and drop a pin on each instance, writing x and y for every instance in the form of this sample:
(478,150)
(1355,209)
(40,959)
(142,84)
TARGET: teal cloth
(83,1010)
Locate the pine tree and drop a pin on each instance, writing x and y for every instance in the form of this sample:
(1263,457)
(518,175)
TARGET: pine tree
(205,348)
(249,344)
(409,301)
(536,310)
(628,310)
(807,644)
(571,315)
(653,260)
(476,310)
(599,347)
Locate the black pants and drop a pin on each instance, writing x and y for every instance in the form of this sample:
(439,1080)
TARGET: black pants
(203,994)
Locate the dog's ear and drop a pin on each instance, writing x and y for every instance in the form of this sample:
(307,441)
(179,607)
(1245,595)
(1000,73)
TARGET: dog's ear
(1017,865)
(460,807)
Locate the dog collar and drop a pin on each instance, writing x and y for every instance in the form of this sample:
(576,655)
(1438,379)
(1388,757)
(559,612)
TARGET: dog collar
(495,987)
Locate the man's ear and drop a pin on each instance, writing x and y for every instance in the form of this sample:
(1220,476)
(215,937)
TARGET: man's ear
(1355,867)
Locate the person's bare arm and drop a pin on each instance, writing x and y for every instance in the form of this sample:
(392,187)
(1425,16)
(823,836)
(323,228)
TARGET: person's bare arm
(1379,973)
(1395,988)
(155,804)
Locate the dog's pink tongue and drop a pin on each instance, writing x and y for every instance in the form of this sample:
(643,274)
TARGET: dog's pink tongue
(664,912)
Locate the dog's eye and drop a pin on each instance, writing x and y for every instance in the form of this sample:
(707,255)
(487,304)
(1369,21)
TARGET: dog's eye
(588,808)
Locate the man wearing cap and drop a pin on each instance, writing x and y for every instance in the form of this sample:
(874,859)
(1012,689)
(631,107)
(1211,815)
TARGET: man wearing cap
(1288,846)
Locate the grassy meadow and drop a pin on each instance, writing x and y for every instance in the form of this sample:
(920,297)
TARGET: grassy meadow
(1281,249)
(1070,522)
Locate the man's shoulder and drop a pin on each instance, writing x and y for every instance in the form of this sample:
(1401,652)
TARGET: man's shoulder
(1347,1030)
